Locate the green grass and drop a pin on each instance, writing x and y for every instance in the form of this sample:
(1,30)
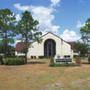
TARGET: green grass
(40,76)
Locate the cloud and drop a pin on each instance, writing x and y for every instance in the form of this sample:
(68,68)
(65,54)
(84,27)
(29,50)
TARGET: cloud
(18,17)
(43,14)
(70,35)
(55,2)
(79,24)
(45,17)
(22,8)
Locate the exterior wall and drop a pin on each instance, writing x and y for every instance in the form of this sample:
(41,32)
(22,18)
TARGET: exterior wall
(19,54)
(62,48)
(66,49)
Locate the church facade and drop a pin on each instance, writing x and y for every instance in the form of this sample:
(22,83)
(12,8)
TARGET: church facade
(51,45)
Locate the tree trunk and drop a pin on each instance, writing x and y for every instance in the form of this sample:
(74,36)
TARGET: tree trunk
(26,47)
(26,51)
(25,57)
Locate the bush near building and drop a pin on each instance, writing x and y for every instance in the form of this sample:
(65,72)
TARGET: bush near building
(14,61)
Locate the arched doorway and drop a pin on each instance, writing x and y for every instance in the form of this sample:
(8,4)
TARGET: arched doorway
(49,48)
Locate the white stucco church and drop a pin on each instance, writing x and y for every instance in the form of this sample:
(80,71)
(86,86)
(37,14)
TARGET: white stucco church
(51,45)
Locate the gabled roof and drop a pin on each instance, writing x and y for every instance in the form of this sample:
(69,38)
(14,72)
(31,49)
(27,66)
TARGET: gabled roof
(56,36)
(21,45)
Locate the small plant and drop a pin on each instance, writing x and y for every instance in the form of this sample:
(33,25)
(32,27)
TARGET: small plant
(77,60)
(89,59)
(51,61)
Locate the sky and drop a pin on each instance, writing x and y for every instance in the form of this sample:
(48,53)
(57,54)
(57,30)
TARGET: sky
(62,17)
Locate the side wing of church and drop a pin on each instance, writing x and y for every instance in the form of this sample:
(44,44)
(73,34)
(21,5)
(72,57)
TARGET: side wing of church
(51,45)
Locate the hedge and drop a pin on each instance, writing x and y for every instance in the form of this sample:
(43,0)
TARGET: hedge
(14,61)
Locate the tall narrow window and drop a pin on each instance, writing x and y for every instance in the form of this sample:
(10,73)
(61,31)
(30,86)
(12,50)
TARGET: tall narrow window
(49,48)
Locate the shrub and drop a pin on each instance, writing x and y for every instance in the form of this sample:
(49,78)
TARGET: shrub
(77,60)
(1,60)
(14,61)
(51,62)
(89,59)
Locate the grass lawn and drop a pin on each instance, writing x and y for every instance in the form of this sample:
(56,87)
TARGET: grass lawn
(39,76)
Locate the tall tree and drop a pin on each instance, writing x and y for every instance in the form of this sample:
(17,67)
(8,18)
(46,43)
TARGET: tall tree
(85,31)
(7,25)
(27,28)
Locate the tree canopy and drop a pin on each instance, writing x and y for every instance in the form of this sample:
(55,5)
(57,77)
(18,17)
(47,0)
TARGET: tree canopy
(27,27)
(81,47)
(7,26)
(85,31)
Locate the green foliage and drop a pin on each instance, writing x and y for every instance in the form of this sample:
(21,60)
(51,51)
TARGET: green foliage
(81,47)
(27,28)
(7,26)
(85,28)
(10,50)
(14,61)
(1,60)
(85,31)
(89,59)
(1,48)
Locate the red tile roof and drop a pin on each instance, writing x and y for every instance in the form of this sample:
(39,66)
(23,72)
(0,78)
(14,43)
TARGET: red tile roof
(20,46)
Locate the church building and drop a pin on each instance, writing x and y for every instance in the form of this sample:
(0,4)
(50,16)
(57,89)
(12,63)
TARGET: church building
(51,45)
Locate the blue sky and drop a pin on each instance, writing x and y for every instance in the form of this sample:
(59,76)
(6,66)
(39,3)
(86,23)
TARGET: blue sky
(62,17)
